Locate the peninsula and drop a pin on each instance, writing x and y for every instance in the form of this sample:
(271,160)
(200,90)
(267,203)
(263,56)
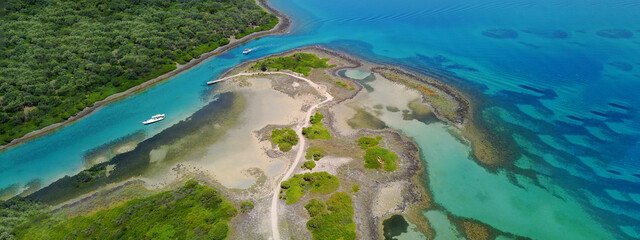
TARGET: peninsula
(294,144)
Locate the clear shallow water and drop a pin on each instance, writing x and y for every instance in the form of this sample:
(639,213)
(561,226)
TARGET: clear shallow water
(564,85)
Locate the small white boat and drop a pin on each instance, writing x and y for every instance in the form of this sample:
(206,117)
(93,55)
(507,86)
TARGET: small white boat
(155,118)
(246,51)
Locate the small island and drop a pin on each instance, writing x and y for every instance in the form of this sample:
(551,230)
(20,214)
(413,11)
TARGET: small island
(296,145)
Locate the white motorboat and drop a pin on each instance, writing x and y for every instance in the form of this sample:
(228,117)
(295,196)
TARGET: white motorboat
(154,119)
(246,51)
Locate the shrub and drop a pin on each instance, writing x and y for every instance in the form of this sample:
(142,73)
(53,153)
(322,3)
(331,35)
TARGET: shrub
(355,188)
(333,220)
(285,138)
(317,129)
(246,206)
(316,207)
(367,142)
(315,153)
(299,184)
(316,118)
(309,165)
(377,157)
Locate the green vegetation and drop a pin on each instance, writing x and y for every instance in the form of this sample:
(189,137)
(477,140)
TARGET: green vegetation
(309,165)
(355,188)
(299,184)
(377,157)
(316,118)
(316,153)
(316,207)
(297,62)
(285,138)
(273,21)
(333,220)
(367,142)
(317,129)
(190,212)
(246,206)
(341,84)
(59,56)
(18,212)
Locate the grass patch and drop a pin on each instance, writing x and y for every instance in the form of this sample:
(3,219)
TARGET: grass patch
(285,138)
(299,184)
(297,62)
(190,212)
(315,153)
(317,129)
(377,157)
(333,220)
(367,142)
(309,165)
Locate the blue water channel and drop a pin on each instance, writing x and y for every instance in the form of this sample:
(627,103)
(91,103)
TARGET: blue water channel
(561,77)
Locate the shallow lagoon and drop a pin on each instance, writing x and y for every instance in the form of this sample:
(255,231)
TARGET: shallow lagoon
(466,189)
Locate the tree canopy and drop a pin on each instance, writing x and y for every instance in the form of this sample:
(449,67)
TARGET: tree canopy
(59,56)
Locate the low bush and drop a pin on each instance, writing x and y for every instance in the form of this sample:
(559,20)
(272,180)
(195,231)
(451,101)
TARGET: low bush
(299,184)
(333,220)
(285,138)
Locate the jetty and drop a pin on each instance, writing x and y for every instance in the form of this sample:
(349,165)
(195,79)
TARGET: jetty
(215,81)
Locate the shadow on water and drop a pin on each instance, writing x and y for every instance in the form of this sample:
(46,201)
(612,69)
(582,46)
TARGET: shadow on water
(221,112)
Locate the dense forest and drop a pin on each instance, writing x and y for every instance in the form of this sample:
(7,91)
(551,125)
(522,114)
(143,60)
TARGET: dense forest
(59,56)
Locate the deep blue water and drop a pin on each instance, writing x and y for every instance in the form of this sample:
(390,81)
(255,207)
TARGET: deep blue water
(561,76)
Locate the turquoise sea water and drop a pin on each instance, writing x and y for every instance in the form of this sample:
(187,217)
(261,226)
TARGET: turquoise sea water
(561,77)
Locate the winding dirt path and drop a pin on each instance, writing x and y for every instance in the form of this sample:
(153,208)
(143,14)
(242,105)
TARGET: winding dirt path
(301,143)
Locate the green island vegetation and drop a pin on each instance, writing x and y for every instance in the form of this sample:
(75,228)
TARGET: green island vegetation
(285,138)
(317,182)
(367,142)
(190,212)
(333,220)
(377,157)
(19,212)
(317,129)
(246,206)
(297,62)
(315,153)
(59,56)
(355,188)
(309,165)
